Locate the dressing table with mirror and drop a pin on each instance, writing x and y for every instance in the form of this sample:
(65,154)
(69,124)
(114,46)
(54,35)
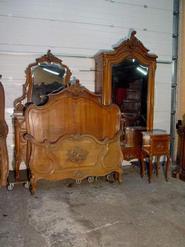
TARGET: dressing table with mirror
(46,75)
(125,76)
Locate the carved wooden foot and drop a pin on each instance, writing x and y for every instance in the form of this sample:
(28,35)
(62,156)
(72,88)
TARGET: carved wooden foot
(167,167)
(150,169)
(142,162)
(33,186)
(118,177)
(157,166)
(114,176)
(142,169)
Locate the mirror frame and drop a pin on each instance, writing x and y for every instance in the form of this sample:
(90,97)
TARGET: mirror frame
(131,48)
(28,86)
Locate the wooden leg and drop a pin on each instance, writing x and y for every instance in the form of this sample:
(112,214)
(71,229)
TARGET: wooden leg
(157,166)
(118,176)
(33,185)
(120,179)
(150,169)
(142,165)
(167,167)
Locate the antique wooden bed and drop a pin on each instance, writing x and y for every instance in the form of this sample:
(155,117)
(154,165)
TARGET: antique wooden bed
(73,136)
(3,134)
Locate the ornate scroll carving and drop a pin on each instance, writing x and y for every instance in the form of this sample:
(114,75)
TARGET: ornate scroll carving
(19,103)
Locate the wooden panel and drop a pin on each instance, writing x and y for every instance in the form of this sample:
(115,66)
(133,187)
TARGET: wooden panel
(86,44)
(162,101)
(105,20)
(163,74)
(96,12)
(162,120)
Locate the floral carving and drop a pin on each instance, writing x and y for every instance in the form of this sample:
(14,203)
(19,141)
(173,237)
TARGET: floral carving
(77,155)
(76,89)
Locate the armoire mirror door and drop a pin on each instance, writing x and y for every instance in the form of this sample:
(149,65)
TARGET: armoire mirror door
(130,90)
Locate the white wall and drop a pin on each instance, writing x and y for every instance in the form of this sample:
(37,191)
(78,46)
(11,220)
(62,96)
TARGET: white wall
(79,28)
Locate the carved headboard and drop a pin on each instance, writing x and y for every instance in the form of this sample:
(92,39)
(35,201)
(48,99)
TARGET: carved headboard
(75,110)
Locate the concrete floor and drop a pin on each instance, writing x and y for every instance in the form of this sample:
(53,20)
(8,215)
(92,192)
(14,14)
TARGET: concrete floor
(133,214)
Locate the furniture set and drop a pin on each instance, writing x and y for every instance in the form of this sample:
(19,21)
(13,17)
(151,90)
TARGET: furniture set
(62,130)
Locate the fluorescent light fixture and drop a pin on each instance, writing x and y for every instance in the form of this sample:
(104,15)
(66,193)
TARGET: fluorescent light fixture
(51,71)
(143,71)
(144,67)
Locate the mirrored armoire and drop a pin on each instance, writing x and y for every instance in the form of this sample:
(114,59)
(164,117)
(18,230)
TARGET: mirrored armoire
(125,76)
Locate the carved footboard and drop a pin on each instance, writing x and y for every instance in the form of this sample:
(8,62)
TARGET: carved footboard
(75,157)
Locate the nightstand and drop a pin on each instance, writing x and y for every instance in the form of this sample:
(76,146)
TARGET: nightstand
(155,144)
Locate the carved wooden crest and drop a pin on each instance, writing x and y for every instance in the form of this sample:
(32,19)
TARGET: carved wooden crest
(77,90)
(77,155)
(133,44)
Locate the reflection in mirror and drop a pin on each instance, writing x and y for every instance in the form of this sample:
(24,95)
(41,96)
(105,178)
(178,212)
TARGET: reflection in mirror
(129,91)
(47,78)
